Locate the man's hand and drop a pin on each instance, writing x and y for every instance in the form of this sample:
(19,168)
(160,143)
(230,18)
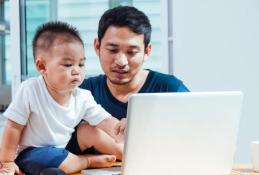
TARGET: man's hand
(9,168)
(120,130)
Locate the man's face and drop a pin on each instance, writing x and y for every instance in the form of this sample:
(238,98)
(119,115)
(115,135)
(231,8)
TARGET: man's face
(121,53)
(64,66)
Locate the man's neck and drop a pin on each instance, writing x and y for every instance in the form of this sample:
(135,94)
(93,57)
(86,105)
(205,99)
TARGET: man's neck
(122,92)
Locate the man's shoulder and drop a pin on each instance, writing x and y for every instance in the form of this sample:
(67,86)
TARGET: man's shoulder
(92,82)
(161,82)
(164,78)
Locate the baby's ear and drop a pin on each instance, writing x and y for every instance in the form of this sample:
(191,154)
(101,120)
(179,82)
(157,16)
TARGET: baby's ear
(40,65)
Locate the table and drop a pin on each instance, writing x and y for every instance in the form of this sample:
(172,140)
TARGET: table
(243,169)
(238,169)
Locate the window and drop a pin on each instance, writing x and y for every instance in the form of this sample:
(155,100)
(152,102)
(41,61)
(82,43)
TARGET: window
(5,79)
(4,43)
(84,15)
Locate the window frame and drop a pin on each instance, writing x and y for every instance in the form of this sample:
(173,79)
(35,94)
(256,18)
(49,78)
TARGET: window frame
(2,46)
(15,55)
(165,36)
(5,87)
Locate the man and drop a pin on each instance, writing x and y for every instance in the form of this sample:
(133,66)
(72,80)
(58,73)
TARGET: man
(123,45)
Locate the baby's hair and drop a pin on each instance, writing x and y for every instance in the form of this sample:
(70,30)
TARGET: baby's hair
(49,32)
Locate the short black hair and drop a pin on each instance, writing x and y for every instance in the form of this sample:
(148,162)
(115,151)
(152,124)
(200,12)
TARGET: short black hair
(126,16)
(47,34)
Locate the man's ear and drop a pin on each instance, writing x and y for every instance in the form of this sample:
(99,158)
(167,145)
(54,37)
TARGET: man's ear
(97,46)
(40,65)
(148,50)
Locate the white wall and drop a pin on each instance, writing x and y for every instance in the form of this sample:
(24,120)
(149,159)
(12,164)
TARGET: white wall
(216,47)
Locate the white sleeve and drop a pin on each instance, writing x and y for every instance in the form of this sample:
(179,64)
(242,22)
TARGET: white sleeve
(95,113)
(19,109)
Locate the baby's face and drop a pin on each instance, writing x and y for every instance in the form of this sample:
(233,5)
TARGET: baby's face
(65,66)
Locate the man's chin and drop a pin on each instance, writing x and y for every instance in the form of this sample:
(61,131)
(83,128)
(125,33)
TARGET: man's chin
(119,81)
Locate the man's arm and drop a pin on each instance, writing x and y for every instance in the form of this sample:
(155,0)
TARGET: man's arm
(10,141)
(183,88)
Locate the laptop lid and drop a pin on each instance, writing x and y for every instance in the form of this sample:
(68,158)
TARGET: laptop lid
(181,133)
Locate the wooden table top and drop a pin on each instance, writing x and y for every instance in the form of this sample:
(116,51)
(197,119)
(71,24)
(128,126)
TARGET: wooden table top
(238,169)
(243,169)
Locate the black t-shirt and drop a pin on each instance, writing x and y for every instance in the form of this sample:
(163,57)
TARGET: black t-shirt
(155,82)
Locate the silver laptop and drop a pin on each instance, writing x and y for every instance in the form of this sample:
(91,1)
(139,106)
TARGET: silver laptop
(181,133)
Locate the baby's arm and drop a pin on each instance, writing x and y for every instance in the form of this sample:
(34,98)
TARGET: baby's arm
(10,141)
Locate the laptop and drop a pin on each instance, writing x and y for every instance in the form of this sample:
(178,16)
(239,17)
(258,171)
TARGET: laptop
(180,134)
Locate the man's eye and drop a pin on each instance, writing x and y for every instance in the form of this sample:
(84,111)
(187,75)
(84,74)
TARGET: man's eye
(67,65)
(112,50)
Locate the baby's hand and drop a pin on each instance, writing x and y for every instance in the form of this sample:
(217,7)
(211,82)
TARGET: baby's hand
(9,168)
(120,130)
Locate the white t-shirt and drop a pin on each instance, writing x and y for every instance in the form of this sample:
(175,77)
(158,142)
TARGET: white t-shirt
(47,122)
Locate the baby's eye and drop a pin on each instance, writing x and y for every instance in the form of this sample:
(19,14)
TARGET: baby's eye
(67,65)
(82,65)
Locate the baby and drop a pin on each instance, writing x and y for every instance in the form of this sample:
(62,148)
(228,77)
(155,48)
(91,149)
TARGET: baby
(45,110)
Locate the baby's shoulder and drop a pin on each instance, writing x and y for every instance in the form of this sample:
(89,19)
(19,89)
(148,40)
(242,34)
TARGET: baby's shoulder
(29,84)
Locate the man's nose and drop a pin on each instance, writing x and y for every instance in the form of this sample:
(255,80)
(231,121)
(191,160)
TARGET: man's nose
(121,60)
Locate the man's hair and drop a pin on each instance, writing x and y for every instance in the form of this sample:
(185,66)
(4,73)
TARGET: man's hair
(48,33)
(125,16)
